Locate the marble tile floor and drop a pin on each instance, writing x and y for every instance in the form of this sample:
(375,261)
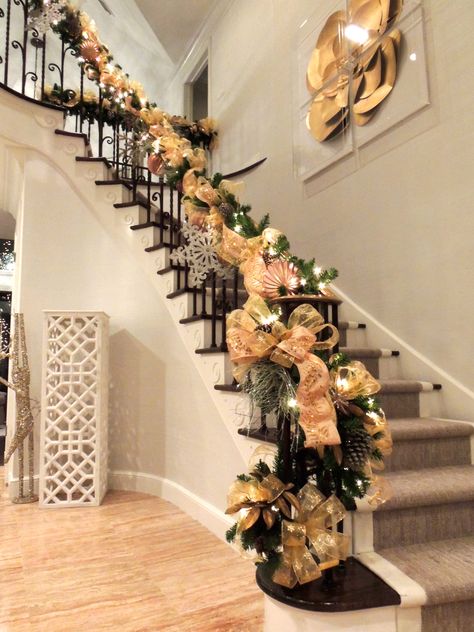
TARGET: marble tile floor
(135,564)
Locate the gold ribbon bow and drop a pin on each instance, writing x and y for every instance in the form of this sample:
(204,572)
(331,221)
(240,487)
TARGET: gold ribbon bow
(353,380)
(316,522)
(248,343)
(264,497)
(349,382)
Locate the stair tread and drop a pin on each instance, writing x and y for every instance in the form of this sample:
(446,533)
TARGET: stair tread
(443,568)
(130,204)
(387,386)
(94,159)
(114,182)
(408,429)
(405,386)
(413,428)
(432,486)
(368,352)
(63,132)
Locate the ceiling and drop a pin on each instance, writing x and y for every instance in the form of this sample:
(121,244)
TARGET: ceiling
(176,23)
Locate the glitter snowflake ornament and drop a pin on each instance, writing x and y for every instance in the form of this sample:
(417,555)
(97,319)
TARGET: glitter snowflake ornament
(49,15)
(199,253)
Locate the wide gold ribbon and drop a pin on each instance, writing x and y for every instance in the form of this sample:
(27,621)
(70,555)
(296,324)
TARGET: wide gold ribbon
(316,522)
(349,382)
(353,380)
(254,498)
(248,343)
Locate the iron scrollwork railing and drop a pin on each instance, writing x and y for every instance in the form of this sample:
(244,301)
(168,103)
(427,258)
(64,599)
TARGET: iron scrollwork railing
(41,67)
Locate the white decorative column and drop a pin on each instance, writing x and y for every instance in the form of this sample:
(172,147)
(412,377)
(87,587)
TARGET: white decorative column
(73,457)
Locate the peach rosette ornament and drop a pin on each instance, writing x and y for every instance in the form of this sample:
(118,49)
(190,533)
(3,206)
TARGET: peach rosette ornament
(250,258)
(254,333)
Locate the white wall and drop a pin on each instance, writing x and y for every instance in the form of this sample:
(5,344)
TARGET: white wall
(162,420)
(399,229)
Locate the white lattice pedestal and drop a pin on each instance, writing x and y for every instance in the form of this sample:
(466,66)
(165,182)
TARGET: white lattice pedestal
(73,459)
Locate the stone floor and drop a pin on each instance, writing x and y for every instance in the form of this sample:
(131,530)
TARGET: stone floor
(135,564)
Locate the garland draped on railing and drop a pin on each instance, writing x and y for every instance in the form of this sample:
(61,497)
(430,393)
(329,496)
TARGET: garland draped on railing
(338,428)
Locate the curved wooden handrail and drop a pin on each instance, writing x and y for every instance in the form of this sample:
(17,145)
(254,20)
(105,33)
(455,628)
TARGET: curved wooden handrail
(244,170)
(52,106)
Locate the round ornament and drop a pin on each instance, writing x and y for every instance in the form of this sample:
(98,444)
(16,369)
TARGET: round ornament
(280,278)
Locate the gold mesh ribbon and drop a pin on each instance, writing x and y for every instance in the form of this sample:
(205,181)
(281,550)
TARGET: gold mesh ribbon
(349,382)
(353,380)
(248,344)
(316,522)
(265,497)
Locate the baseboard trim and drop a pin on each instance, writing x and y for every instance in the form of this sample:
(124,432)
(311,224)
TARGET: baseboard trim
(201,510)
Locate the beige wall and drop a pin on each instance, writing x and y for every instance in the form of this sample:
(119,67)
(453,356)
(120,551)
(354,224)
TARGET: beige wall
(400,227)
(162,420)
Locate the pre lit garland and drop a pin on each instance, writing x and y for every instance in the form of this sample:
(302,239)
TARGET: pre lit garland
(175,147)
(340,433)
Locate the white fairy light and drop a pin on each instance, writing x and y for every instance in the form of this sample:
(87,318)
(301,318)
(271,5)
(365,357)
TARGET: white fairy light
(341,383)
(317,270)
(373,415)
(356,33)
(303,282)
(292,403)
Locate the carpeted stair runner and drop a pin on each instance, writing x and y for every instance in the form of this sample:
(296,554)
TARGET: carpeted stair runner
(425,443)
(427,528)
(445,569)
(432,504)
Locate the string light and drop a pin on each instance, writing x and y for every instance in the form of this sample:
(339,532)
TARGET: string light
(356,33)
(292,403)
(342,383)
(317,270)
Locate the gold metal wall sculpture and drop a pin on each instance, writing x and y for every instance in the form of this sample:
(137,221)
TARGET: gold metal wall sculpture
(343,71)
(24,417)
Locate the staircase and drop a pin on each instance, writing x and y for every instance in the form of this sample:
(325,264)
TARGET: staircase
(426,529)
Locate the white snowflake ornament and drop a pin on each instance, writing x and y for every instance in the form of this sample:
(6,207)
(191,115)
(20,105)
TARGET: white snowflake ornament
(50,14)
(199,253)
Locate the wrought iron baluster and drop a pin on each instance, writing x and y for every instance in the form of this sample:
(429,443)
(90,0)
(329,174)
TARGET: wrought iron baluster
(213,310)
(195,302)
(100,124)
(171,217)
(203,299)
(224,312)
(7,40)
(235,292)
(25,45)
(81,97)
(43,66)
(21,46)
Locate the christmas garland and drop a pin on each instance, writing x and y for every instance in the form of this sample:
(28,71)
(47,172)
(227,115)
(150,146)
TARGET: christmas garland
(176,148)
(340,434)
(340,437)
